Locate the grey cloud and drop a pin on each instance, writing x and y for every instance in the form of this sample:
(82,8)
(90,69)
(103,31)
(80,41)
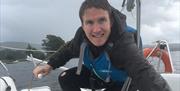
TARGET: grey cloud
(32,20)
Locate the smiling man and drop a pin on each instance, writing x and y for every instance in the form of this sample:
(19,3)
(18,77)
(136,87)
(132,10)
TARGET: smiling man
(96,25)
(108,52)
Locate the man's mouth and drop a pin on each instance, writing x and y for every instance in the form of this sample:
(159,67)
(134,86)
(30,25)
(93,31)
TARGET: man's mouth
(98,35)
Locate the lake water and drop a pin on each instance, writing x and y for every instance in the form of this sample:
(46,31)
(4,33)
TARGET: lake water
(22,73)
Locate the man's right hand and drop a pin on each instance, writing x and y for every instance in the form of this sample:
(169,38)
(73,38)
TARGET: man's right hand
(42,69)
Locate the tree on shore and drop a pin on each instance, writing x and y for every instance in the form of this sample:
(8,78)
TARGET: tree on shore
(52,43)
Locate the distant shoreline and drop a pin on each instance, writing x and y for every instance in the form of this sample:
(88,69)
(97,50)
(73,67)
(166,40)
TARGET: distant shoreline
(23,45)
(172,46)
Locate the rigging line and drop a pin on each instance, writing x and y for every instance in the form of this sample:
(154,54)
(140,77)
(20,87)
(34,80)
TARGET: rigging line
(5,68)
(20,49)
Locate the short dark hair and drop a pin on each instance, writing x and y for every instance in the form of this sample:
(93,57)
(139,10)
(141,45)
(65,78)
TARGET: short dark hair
(101,4)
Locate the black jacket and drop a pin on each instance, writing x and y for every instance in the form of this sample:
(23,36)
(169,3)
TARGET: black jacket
(123,53)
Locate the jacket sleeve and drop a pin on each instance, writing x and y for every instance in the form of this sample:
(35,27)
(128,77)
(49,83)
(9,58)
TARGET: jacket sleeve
(67,51)
(141,72)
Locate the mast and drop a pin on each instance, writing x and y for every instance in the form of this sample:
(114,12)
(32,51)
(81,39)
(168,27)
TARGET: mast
(138,21)
(129,7)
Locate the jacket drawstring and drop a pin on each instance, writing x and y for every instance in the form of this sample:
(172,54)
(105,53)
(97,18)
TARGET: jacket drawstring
(81,57)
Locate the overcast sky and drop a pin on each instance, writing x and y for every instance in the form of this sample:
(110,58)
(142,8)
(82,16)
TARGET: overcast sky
(31,20)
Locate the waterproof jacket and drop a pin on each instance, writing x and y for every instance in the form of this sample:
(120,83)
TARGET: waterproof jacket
(123,53)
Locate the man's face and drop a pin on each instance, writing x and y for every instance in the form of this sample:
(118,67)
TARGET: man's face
(96,25)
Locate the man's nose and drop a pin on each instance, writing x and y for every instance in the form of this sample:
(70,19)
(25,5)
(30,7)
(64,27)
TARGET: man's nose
(97,28)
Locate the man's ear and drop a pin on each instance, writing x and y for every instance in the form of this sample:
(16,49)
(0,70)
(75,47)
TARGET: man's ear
(82,26)
(111,21)
(111,24)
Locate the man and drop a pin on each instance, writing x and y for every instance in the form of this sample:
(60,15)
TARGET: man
(109,54)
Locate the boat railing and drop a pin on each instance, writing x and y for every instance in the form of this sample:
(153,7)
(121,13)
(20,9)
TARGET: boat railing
(161,45)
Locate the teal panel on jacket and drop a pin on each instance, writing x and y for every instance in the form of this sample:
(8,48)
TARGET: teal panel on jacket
(102,67)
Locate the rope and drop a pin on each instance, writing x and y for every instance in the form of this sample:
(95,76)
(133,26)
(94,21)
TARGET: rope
(20,49)
(3,66)
(152,51)
(126,84)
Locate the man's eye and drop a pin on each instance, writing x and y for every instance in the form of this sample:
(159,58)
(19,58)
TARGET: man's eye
(102,20)
(89,22)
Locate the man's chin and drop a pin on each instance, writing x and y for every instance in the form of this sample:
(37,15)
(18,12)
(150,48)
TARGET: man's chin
(98,44)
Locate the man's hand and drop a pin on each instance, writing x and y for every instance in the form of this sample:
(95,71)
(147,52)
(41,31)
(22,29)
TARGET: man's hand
(42,69)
